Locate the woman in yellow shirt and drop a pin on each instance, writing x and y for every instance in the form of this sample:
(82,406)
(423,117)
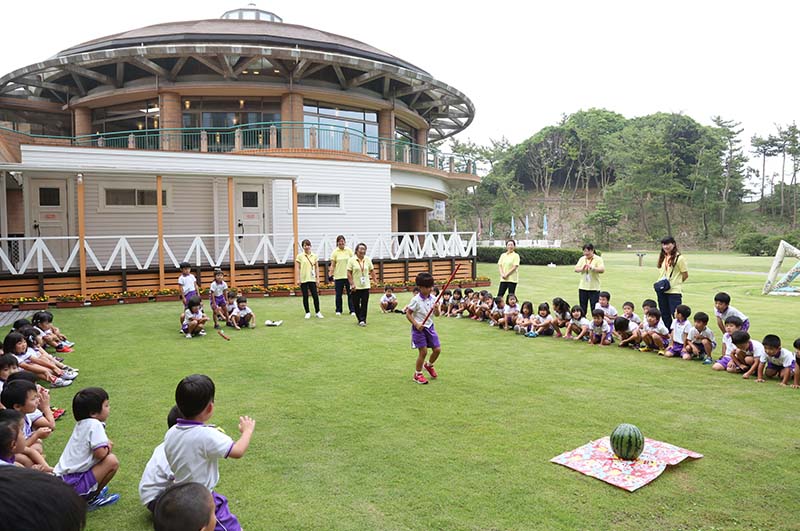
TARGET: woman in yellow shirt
(672,266)
(339,259)
(508,264)
(590,267)
(308,278)
(359,272)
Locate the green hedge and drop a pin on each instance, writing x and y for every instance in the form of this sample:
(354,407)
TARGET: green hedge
(533,255)
(757,244)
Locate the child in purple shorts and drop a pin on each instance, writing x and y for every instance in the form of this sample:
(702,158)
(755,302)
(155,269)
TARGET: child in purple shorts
(194,448)
(775,361)
(194,320)
(600,330)
(796,346)
(723,310)
(218,294)
(680,332)
(242,316)
(654,332)
(700,340)
(423,334)
(87,464)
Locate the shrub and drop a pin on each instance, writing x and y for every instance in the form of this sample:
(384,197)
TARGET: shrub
(757,244)
(533,255)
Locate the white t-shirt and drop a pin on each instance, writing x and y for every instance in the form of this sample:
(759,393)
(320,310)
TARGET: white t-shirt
(30,418)
(563,316)
(187,283)
(87,436)
(498,309)
(538,320)
(633,318)
(24,358)
(680,331)
(660,328)
(193,450)
(157,476)
(601,329)
(188,315)
(43,333)
(231,306)
(785,358)
(730,311)
(241,313)
(218,290)
(632,327)
(390,298)
(696,335)
(583,321)
(609,310)
(420,307)
(757,350)
(510,310)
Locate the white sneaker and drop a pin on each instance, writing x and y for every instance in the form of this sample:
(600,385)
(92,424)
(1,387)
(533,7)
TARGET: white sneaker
(188,336)
(320,316)
(202,332)
(353,314)
(308,316)
(68,375)
(60,382)
(338,313)
(362,323)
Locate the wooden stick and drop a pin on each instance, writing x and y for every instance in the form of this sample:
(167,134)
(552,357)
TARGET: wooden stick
(449,280)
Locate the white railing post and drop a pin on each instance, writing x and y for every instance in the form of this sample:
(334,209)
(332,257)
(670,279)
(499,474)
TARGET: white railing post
(237,140)
(131,141)
(273,137)
(346,141)
(203,142)
(312,138)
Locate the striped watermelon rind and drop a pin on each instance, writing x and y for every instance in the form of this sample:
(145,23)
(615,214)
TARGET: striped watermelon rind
(627,441)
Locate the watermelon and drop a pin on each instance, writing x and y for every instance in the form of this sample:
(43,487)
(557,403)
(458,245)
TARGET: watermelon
(627,441)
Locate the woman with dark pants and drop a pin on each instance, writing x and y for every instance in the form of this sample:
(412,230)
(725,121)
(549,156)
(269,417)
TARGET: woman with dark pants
(590,267)
(508,264)
(359,272)
(339,259)
(671,266)
(307,278)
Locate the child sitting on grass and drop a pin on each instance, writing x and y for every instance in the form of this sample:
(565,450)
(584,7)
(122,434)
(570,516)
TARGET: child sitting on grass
(647,305)
(510,312)
(157,475)
(628,313)
(542,322)
(680,332)
(455,308)
(242,316)
(193,448)
(627,333)
(723,310)
(749,348)
(444,302)
(609,312)
(388,300)
(497,315)
(775,361)
(12,436)
(87,464)
(600,331)
(561,315)
(796,346)
(733,359)
(524,319)
(22,396)
(654,333)
(51,336)
(484,310)
(8,366)
(700,340)
(194,320)
(16,344)
(578,324)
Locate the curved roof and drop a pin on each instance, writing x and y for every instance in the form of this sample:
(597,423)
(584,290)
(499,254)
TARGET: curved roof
(252,32)
(235,50)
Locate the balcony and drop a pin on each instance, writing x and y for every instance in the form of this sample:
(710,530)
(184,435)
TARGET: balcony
(283,139)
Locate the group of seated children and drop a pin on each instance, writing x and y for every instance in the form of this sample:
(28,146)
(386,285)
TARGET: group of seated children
(226,306)
(27,343)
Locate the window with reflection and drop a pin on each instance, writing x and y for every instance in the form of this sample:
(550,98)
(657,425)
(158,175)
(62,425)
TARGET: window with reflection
(332,121)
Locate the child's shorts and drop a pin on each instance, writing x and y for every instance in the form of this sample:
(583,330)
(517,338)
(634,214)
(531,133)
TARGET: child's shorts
(676,349)
(598,338)
(242,321)
(701,348)
(425,338)
(219,301)
(84,483)
(724,361)
(779,368)
(547,332)
(188,295)
(745,325)
(226,521)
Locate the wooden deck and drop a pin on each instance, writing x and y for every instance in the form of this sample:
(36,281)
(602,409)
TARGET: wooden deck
(8,318)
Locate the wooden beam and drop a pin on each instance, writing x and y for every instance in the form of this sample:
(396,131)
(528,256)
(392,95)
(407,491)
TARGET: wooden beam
(226,67)
(8,87)
(162,281)
(340,76)
(312,70)
(434,103)
(209,63)
(244,63)
(231,234)
(47,85)
(386,84)
(300,67)
(78,83)
(278,65)
(152,67)
(82,235)
(90,74)
(176,69)
(366,77)
(412,90)
(120,80)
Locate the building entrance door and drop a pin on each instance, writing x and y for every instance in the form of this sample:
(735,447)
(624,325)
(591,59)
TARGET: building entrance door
(250,216)
(49,215)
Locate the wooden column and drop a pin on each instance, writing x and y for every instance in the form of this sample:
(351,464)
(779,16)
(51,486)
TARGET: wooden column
(295,227)
(82,235)
(160,223)
(231,232)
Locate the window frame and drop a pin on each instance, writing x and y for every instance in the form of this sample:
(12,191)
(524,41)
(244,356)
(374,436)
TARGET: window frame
(102,206)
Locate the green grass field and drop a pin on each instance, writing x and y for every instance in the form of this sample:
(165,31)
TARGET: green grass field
(346,441)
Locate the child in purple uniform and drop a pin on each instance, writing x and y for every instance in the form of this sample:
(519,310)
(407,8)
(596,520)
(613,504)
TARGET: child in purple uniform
(87,464)
(600,331)
(194,448)
(423,334)
(654,332)
(775,361)
(723,310)
(680,332)
(218,291)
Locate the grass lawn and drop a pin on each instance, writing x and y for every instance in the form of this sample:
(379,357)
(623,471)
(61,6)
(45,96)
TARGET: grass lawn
(345,440)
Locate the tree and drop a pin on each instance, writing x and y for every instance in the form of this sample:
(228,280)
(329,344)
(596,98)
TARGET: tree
(602,220)
(733,163)
(764,147)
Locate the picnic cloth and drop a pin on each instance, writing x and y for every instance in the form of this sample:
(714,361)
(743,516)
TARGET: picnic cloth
(596,459)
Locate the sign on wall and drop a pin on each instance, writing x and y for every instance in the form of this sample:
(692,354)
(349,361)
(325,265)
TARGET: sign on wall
(438,211)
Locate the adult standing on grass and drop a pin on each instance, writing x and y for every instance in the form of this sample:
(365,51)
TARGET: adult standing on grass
(339,259)
(590,266)
(508,264)
(307,261)
(673,272)
(359,273)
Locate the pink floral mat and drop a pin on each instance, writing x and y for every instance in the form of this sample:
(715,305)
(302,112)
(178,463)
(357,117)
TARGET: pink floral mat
(596,459)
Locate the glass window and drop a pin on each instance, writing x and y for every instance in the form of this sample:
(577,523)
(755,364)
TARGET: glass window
(148,197)
(120,197)
(328,200)
(250,199)
(49,197)
(308,200)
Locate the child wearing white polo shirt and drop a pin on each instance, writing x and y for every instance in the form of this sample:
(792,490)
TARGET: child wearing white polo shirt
(87,464)
(194,448)
(157,476)
(775,361)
